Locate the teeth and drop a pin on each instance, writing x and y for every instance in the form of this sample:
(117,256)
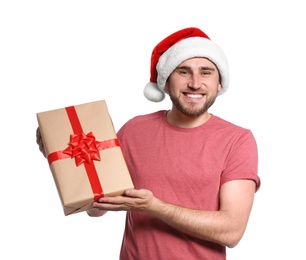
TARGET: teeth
(194,95)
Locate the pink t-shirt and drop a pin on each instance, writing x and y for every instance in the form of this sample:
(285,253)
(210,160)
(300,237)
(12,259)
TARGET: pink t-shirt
(183,166)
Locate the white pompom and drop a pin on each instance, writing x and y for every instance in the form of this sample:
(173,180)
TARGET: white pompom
(153,93)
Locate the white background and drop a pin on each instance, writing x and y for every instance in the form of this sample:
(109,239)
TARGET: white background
(59,53)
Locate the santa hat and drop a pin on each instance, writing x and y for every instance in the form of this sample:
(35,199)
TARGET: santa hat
(176,48)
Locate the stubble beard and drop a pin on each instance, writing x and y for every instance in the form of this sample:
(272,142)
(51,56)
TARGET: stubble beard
(190,109)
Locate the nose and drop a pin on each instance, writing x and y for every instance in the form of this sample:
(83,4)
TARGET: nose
(194,81)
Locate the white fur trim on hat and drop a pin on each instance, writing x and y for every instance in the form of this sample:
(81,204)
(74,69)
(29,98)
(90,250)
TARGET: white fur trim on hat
(190,48)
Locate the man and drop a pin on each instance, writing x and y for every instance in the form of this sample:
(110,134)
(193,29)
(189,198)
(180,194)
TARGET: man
(195,174)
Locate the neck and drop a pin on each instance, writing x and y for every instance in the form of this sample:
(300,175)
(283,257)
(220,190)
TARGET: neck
(178,119)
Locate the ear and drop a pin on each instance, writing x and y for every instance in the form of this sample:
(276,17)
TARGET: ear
(167,87)
(219,87)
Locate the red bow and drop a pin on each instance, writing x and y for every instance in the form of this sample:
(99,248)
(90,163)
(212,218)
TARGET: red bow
(84,148)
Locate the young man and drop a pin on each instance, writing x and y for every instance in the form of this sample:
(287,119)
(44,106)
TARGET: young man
(195,174)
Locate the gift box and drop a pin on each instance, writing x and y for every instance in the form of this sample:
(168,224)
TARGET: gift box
(84,154)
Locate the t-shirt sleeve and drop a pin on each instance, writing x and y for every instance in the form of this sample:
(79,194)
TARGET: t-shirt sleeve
(242,161)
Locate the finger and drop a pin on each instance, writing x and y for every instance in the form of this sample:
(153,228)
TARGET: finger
(38,135)
(142,193)
(40,142)
(118,200)
(42,149)
(109,206)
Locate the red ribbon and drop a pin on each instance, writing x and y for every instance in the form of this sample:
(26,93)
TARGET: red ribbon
(85,149)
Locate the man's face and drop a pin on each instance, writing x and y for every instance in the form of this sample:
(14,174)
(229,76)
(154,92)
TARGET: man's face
(193,86)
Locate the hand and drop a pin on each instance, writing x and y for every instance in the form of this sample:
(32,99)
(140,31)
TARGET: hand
(132,200)
(40,143)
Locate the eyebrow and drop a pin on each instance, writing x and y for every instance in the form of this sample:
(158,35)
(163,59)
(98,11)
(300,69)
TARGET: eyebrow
(202,68)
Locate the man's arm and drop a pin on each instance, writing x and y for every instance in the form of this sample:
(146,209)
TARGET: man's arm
(225,226)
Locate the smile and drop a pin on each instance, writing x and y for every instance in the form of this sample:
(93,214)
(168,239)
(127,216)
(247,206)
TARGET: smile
(194,95)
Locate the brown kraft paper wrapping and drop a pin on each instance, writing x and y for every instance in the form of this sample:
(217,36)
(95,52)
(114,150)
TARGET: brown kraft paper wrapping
(75,187)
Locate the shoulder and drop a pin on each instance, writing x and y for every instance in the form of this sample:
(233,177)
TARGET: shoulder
(222,123)
(217,123)
(229,130)
(139,122)
(146,118)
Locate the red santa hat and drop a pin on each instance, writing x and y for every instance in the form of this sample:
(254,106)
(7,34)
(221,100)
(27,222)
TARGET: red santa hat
(176,48)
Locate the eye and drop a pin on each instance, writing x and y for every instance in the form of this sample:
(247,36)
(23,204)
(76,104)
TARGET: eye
(206,72)
(183,72)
